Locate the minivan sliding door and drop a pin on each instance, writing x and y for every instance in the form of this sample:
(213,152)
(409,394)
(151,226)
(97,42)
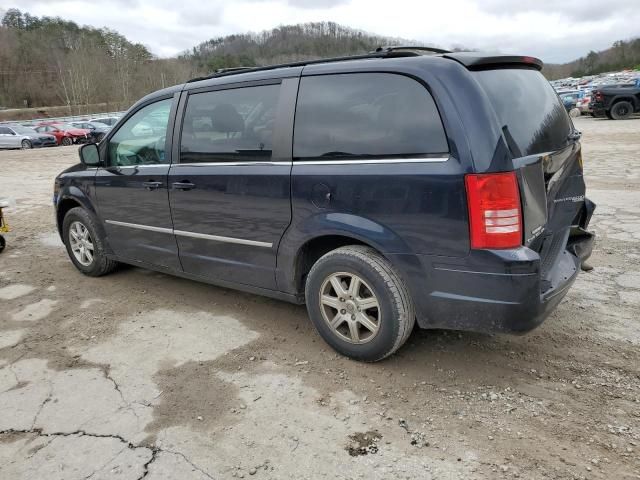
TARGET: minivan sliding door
(230,191)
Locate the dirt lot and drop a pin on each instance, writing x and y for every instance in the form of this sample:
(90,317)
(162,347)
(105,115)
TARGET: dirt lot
(139,374)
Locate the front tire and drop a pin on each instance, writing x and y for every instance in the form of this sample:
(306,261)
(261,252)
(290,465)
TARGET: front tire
(66,141)
(621,111)
(84,245)
(359,304)
(26,144)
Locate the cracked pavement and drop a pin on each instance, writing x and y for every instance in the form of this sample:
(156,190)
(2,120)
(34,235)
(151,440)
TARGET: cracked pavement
(142,375)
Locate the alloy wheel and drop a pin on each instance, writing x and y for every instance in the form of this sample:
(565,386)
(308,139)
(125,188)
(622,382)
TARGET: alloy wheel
(350,307)
(81,243)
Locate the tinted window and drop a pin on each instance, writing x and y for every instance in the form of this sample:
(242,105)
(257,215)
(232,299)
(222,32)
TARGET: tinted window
(229,125)
(526,104)
(365,114)
(5,131)
(141,139)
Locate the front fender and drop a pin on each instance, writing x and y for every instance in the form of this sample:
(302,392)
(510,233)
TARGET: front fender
(325,224)
(76,190)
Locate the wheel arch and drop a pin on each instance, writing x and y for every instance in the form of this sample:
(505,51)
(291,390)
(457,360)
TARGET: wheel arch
(311,251)
(624,98)
(73,197)
(303,246)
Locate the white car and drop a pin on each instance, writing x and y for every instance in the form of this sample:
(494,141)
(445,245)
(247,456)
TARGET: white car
(18,136)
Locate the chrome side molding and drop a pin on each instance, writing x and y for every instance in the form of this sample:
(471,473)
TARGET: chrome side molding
(183,233)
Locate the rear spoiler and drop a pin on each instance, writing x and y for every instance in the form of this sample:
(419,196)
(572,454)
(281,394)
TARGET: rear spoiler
(479,61)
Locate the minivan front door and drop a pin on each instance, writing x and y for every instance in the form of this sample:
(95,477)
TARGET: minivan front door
(132,188)
(230,191)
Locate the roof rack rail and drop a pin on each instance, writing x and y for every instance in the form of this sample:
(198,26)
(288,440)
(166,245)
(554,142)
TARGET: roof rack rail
(223,72)
(231,69)
(395,48)
(380,52)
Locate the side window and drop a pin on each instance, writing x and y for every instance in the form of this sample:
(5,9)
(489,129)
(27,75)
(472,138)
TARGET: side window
(5,131)
(366,114)
(229,125)
(141,139)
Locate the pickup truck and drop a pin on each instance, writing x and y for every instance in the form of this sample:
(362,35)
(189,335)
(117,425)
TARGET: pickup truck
(616,102)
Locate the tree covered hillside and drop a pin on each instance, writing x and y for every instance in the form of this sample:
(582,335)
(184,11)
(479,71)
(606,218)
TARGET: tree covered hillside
(47,61)
(286,44)
(621,55)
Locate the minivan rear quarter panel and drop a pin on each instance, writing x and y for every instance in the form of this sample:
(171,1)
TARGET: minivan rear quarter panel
(417,207)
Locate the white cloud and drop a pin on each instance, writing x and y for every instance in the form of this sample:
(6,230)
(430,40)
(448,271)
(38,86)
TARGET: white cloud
(553,30)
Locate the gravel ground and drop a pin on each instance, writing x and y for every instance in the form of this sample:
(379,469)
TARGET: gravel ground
(140,374)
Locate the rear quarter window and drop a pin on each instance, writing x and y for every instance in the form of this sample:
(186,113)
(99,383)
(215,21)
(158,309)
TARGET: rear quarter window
(529,111)
(366,115)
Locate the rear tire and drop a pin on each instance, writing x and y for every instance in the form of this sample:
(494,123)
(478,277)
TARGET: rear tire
(66,141)
(608,114)
(359,304)
(621,110)
(26,144)
(84,245)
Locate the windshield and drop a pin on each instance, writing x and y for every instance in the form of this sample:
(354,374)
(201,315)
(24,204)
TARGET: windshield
(529,111)
(23,130)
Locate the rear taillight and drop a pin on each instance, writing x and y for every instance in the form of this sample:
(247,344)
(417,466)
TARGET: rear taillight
(598,96)
(495,215)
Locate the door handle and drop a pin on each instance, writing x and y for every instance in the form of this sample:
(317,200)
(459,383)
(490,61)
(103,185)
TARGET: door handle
(151,185)
(185,185)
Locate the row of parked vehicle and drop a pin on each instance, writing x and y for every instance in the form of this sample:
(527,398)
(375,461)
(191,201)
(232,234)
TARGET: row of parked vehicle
(52,133)
(616,101)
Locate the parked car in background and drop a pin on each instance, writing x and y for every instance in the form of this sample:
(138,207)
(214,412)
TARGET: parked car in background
(97,130)
(111,121)
(583,104)
(617,102)
(570,102)
(17,136)
(65,134)
(411,189)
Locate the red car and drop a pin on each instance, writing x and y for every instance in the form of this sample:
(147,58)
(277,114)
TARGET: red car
(65,134)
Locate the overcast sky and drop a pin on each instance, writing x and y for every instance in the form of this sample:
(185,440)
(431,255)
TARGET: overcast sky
(554,30)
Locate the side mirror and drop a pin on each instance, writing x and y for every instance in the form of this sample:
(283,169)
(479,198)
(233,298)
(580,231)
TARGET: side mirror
(89,155)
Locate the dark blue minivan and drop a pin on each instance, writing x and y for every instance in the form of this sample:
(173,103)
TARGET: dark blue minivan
(382,189)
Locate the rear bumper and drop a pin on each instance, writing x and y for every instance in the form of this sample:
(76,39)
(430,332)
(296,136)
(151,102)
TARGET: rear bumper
(491,291)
